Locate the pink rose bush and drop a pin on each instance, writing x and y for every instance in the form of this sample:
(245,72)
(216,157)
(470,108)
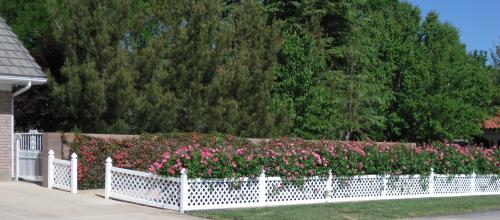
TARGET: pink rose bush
(226,156)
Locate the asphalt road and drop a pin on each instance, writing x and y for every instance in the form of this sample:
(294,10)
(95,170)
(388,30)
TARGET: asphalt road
(488,215)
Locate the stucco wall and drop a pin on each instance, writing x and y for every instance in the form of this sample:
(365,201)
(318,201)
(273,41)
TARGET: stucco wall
(5,135)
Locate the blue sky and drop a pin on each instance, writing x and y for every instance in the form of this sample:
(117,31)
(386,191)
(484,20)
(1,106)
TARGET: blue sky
(477,20)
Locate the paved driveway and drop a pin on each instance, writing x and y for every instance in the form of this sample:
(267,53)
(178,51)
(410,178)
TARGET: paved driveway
(19,200)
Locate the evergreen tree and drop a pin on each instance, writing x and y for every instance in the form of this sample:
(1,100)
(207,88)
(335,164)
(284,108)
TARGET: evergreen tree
(94,92)
(361,84)
(240,95)
(343,69)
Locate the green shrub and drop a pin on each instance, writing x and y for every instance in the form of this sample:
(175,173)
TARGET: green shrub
(226,156)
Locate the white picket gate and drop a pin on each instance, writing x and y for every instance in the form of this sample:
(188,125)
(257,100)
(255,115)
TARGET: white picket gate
(62,174)
(29,155)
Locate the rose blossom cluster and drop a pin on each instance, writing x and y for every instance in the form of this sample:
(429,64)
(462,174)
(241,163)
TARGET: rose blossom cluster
(294,158)
(226,156)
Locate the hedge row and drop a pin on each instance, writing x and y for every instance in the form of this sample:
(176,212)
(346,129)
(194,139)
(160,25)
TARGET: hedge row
(221,156)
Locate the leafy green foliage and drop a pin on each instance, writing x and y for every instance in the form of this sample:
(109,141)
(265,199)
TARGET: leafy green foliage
(301,85)
(342,69)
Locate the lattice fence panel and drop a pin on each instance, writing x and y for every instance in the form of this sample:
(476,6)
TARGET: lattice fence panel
(223,192)
(62,174)
(452,184)
(357,187)
(278,190)
(144,188)
(407,185)
(487,184)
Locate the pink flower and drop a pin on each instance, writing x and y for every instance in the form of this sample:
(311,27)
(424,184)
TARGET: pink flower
(152,169)
(249,158)
(205,153)
(285,160)
(240,151)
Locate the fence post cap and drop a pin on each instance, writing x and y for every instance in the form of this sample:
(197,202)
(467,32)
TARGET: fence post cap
(51,152)
(183,171)
(73,156)
(109,160)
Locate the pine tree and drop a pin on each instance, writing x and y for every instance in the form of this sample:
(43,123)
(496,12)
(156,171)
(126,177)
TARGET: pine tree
(240,95)
(92,92)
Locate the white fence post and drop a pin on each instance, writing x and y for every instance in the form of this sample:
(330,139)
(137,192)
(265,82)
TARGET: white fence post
(431,182)
(473,183)
(107,178)
(18,148)
(50,167)
(183,197)
(74,173)
(329,186)
(384,186)
(262,188)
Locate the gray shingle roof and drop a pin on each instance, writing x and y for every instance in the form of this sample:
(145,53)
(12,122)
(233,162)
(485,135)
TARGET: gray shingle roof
(15,59)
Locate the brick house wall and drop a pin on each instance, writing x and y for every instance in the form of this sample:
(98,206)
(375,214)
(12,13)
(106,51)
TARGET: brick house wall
(5,135)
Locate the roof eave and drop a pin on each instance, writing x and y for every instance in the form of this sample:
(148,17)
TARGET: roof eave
(22,80)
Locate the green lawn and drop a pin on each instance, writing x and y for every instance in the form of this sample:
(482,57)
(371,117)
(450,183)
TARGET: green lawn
(388,209)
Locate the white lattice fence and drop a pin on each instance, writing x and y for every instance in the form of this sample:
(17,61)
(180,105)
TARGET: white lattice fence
(407,186)
(145,188)
(452,184)
(487,184)
(185,194)
(353,187)
(308,190)
(62,174)
(230,193)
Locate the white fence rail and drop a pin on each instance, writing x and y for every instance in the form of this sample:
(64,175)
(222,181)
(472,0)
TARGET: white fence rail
(62,174)
(185,194)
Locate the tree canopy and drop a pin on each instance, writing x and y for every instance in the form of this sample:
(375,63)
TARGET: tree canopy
(338,69)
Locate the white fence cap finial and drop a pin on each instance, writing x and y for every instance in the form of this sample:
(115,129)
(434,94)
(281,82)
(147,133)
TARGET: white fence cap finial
(109,160)
(183,171)
(51,152)
(73,155)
